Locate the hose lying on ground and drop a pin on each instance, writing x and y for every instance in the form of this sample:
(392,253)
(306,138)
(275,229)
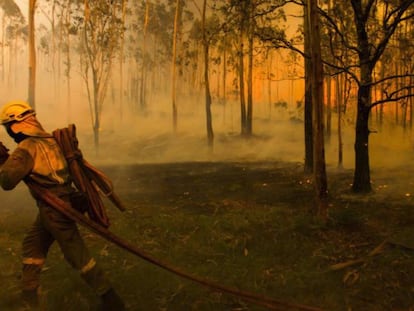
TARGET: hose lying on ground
(65,208)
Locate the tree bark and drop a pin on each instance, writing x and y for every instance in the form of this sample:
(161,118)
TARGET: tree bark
(32,55)
(68,64)
(143,105)
(319,167)
(328,107)
(339,104)
(243,112)
(174,69)
(210,134)
(362,178)
(269,82)
(308,167)
(224,82)
(249,119)
(3,39)
(121,65)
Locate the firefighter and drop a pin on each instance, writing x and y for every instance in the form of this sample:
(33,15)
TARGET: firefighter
(39,157)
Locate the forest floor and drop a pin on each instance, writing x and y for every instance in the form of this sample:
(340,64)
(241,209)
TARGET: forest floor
(244,225)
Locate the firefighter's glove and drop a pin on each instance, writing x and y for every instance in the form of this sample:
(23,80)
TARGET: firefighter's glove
(4,153)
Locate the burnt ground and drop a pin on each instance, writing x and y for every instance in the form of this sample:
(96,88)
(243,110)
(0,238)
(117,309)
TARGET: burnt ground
(245,225)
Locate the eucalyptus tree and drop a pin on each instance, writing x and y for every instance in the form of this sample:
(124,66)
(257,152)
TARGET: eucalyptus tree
(360,47)
(100,28)
(310,38)
(206,46)
(13,27)
(247,20)
(121,59)
(158,58)
(242,12)
(206,30)
(319,169)
(402,46)
(301,44)
(57,42)
(69,30)
(143,29)
(49,10)
(229,58)
(177,18)
(151,44)
(366,42)
(32,55)
(407,59)
(138,17)
(181,17)
(143,82)
(245,11)
(328,33)
(333,52)
(308,128)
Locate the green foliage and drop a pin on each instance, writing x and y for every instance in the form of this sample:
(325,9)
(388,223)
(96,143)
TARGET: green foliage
(102,28)
(12,10)
(14,22)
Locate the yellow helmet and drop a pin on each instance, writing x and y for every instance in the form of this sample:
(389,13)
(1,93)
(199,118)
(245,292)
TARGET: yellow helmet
(16,110)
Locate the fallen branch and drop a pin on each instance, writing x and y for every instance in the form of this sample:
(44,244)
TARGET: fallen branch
(377,250)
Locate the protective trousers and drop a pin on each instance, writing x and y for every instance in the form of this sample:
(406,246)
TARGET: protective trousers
(50,226)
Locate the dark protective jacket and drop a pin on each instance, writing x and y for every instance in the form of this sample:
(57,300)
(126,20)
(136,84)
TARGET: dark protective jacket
(39,157)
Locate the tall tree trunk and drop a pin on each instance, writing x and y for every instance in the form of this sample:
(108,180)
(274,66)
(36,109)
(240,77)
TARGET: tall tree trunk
(143,104)
(249,116)
(32,54)
(174,69)
(54,51)
(243,113)
(308,133)
(339,103)
(249,119)
(100,70)
(269,68)
(68,64)
(397,112)
(96,124)
(121,65)
(362,178)
(319,167)
(381,108)
(242,92)
(210,134)
(328,107)
(410,103)
(11,48)
(224,82)
(10,66)
(329,90)
(3,39)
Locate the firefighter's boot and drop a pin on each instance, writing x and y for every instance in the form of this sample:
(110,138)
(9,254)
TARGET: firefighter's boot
(112,302)
(30,294)
(30,300)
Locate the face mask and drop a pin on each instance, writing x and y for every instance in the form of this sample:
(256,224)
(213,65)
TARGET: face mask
(17,137)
